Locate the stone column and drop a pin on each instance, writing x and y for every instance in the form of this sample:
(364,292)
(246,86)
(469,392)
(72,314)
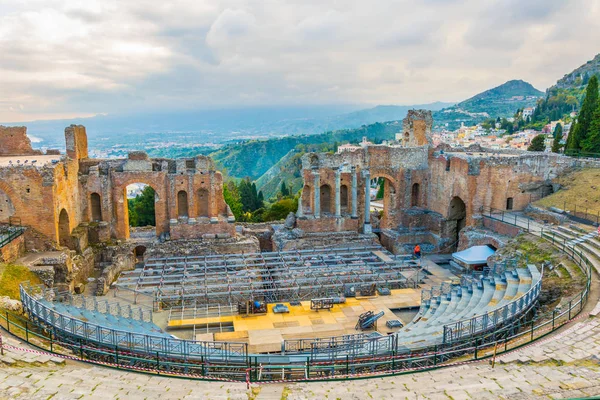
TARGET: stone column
(300,212)
(354,193)
(338,204)
(367,225)
(317,193)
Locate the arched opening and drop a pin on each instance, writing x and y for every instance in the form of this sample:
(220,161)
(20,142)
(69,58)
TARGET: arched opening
(7,209)
(182,204)
(96,206)
(139,252)
(383,199)
(344,197)
(64,230)
(202,203)
(457,220)
(141,210)
(414,195)
(509,203)
(325,199)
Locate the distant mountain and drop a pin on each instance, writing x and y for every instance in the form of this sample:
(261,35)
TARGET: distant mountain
(148,131)
(501,97)
(501,101)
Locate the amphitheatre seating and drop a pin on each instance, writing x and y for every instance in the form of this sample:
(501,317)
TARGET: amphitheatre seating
(469,299)
(588,242)
(105,320)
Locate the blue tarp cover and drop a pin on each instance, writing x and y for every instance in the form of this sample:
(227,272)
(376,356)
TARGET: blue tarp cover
(474,255)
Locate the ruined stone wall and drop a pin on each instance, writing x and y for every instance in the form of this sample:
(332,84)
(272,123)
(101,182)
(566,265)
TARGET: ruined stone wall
(30,190)
(193,182)
(14,141)
(488,182)
(400,167)
(13,250)
(55,196)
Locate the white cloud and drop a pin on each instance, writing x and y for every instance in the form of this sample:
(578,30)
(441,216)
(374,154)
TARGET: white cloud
(64,56)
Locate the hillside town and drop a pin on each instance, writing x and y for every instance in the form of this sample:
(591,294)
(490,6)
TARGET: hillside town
(497,138)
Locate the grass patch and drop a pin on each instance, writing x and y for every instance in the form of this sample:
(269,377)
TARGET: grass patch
(12,276)
(581,188)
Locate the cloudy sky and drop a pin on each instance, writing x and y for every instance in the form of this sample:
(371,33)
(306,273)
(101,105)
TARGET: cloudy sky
(63,58)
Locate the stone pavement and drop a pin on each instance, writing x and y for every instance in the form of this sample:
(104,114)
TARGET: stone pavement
(562,366)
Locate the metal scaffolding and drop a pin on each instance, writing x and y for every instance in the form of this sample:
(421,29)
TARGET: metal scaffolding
(270,277)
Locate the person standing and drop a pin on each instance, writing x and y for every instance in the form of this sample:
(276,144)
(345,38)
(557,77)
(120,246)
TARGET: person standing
(417,251)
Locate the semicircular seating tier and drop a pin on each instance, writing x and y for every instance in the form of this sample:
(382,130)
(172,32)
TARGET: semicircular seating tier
(455,311)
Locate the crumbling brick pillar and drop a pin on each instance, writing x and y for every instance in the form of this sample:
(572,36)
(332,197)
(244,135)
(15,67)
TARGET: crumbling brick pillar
(354,193)
(317,193)
(367,225)
(338,206)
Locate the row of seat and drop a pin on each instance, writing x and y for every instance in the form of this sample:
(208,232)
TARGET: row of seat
(478,297)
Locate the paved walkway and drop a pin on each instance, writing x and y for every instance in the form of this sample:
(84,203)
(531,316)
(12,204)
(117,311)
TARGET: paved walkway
(565,365)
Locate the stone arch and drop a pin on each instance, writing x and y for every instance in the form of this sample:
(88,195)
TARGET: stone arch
(64,229)
(344,197)
(415,195)
(96,207)
(13,199)
(456,220)
(509,203)
(202,203)
(182,204)
(389,202)
(138,253)
(123,212)
(7,208)
(326,194)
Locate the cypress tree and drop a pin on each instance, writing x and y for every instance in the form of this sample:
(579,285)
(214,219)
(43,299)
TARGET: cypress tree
(284,191)
(558,134)
(255,203)
(592,142)
(590,103)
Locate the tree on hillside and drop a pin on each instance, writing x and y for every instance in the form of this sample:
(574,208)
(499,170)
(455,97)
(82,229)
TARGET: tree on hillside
(284,190)
(231,196)
(591,143)
(537,144)
(558,134)
(141,209)
(589,106)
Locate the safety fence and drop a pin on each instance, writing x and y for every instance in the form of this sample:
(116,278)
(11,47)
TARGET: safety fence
(157,358)
(9,233)
(581,154)
(92,303)
(582,213)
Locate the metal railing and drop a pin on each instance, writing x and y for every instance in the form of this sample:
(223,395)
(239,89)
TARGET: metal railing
(51,331)
(581,154)
(484,322)
(8,233)
(127,310)
(143,343)
(582,213)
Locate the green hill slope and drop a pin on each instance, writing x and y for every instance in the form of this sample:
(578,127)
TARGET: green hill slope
(254,158)
(566,95)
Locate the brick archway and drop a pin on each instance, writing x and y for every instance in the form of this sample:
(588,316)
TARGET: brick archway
(389,200)
(456,220)
(13,199)
(122,211)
